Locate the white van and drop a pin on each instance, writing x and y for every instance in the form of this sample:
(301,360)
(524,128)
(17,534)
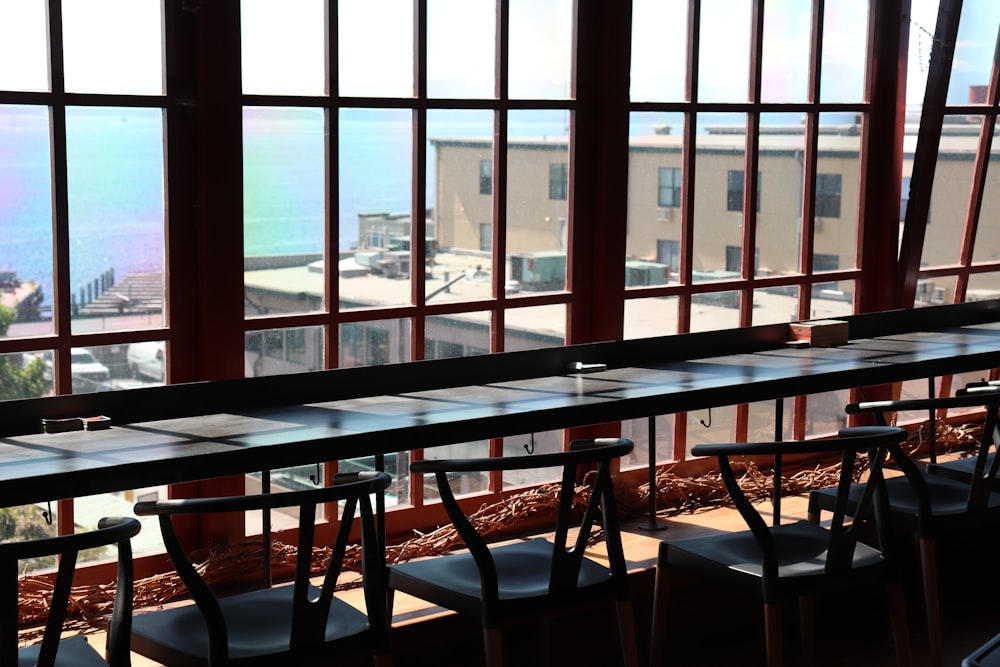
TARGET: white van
(146,360)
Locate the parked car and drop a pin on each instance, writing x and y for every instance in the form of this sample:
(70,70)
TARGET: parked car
(88,373)
(146,360)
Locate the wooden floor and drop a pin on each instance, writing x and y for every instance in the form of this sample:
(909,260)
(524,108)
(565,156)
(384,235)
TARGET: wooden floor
(712,625)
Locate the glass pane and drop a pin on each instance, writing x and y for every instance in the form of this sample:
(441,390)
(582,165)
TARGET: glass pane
(25,522)
(773,305)
(986,246)
(953,175)
(936,291)
(845,45)
(659,35)
(648,318)
(26,220)
(461,37)
(283,47)
(637,430)
(24,41)
(831,300)
(535,443)
(711,311)
(983,286)
(535,328)
(146,363)
(761,420)
(459,335)
(464,483)
(460,193)
(374,343)
(115,46)
(923,18)
(652,244)
(281,351)
(708,426)
(779,219)
(836,216)
(541,46)
(116,217)
(718,212)
(975,46)
(825,413)
(538,195)
(376,151)
(397,464)
(25,374)
(375,46)
(284,210)
(785,62)
(88,510)
(725,30)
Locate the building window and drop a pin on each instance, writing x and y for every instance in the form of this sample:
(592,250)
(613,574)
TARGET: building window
(485,237)
(828,195)
(668,252)
(558,181)
(669,188)
(486,177)
(734,190)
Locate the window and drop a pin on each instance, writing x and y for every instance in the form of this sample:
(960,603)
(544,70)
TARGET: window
(828,195)
(669,193)
(486,177)
(558,180)
(734,191)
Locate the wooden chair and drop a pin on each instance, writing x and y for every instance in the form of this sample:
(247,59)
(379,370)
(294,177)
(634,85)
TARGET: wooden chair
(521,579)
(73,651)
(790,561)
(294,624)
(932,505)
(987,655)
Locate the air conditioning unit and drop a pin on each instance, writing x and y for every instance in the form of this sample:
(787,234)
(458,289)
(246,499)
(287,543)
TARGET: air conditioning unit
(664,214)
(819,225)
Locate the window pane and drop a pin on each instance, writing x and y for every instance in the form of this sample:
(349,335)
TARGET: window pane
(825,412)
(937,290)
(24,41)
(706,427)
(284,209)
(839,159)
(459,335)
(761,420)
(953,175)
(659,50)
(541,44)
(116,217)
(785,69)
(535,328)
(725,30)
(711,311)
(648,318)
(548,442)
(983,286)
(281,351)
(26,219)
(375,46)
(845,42)
(147,362)
(987,241)
(25,375)
(832,299)
(459,190)
(654,196)
(283,47)
(537,209)
(637,430)
(773,305)
(718,209)
(974,49)
(374,343)
(779,223)
(463,483)
(114,46)
(460,48)
(375,185)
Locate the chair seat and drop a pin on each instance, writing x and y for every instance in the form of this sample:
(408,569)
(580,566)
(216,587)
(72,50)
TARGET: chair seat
(961,469)
(73,652)
(987,655)
(523,572)
(258,623)
(801,548)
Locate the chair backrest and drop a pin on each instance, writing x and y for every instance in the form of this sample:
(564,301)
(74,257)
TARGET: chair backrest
(308,624)
(596,455)
(875,441)
(110,531)
(985,468)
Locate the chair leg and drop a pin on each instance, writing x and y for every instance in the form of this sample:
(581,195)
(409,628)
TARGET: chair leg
(626,632)
(772,632)
(932,600)
(900,623)
(807,629)
(658,631)
(493,643)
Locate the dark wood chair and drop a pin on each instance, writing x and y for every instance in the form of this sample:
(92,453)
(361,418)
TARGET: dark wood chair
(987,655)
(293,624)
(73,651)
(523,579)
(791,561)
(932,505)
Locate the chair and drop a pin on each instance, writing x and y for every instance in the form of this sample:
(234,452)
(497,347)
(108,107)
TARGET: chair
(931,505)
(964,469)
(502,584)
(74,651)
(987,655)
(294,624)
(790,561)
